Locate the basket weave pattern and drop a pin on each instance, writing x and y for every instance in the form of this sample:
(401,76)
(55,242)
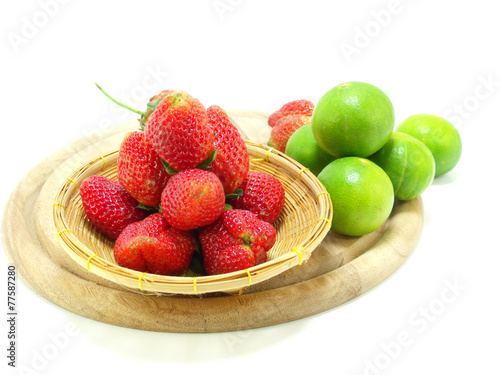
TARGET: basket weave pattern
(304,222)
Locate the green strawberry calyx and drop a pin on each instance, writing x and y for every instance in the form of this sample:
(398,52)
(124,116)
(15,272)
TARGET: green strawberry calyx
(203,165)
(206,164)
(235,194)
(168,168)
(148,208)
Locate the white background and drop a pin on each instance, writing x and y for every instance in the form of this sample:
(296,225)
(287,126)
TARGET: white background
(439,57)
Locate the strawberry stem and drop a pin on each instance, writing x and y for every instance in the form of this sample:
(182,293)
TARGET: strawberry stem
(117,102)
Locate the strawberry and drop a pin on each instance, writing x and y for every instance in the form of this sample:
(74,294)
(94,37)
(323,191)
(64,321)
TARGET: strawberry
(180,132)
(152,104)
(235,228)
(296,107)
(213,239)
(284,128)
(108,205)
(247,226)
(151,245)
(140,169)
(192,198)
(234,258)
(231,163)
(263,194)
(260,255)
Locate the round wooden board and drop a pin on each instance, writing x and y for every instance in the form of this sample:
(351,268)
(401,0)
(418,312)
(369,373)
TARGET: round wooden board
(340,269)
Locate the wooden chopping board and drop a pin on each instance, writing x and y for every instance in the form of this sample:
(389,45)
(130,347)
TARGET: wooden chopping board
(341,268)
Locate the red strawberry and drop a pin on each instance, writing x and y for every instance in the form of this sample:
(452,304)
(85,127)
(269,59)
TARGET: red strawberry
(260,256)
(296,107)
(192,198)
(152,104)
(231,163)
(263,195)
(180,132)
(140,170)
(153,246)
(108,205)
(213,239)
(246,225)
(235,228)
(284,128)
(234,258)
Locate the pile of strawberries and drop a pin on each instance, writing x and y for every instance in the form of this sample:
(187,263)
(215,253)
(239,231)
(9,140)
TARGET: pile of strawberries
(184,194)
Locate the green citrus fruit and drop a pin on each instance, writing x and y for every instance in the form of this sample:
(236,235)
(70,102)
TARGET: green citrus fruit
(353,119)
(302,146)
(439,135)
(361,192)
(408,163)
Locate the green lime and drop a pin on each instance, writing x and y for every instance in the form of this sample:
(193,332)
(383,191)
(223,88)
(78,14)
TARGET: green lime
(353,119)
(439,135)
(361,192)
(302,147)
(408,163)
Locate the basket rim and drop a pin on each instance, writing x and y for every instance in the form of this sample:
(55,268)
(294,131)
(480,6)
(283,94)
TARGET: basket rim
(142,282)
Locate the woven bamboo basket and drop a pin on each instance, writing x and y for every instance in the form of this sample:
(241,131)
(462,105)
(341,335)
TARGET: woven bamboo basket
(304,222)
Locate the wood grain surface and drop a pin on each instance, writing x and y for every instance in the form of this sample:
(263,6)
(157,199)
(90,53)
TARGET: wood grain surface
(341,268)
